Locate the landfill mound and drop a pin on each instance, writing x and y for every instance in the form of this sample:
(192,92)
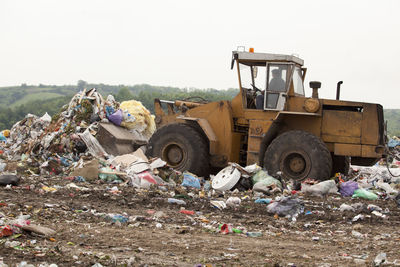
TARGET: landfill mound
(65,201)
(51,145)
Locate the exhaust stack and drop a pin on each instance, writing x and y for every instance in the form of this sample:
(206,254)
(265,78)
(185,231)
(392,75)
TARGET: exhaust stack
(338,90)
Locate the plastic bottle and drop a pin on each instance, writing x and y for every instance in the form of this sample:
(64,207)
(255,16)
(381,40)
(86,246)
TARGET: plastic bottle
(254,234)
(263,201)
(176,201)
(227,228)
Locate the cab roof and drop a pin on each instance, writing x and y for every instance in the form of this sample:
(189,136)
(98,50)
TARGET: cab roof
(262,57)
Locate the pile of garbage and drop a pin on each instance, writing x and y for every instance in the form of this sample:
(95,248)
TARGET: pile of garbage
(45,145)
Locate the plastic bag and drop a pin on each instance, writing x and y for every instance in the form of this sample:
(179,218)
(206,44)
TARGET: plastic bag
(2,166)
(190,180)
(265,183)
(233,202)
(7,179)
(116,117)
(145,180)
(286,207)
(321,189)
(2,138)
(260,175)
(6,133)
(93,145)
(347,188)
(108,177)
(385,186)
(362,193)
(46,117)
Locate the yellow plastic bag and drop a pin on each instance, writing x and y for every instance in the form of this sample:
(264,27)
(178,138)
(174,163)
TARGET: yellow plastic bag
(6,133)
(138,118)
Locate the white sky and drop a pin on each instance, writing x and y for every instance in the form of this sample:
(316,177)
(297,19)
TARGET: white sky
(189,43)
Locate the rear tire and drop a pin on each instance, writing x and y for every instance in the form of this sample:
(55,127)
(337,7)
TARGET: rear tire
(182,147)
(298,155)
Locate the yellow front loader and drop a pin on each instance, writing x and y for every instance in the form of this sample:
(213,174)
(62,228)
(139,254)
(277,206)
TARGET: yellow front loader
(270,122)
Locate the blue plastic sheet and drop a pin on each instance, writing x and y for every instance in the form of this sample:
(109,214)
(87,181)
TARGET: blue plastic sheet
(189,180)
(393,143)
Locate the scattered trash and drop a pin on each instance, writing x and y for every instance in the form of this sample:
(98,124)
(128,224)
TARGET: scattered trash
(358,217)
(228,228)
(41,230)
(380,259)
(263,201)
(233,202)
(113,217)
(286,207)
(176,201)
(218,204)
(254,234)
(187,212)
(226,179)
(357,234)
(345,207)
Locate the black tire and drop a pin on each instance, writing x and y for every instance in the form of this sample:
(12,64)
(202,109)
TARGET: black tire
(340,164)
(298,155)
(182,147)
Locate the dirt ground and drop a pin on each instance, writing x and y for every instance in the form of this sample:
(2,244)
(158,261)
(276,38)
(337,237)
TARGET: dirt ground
(157,234)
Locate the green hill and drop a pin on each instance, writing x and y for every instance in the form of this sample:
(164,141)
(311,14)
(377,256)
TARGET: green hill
(392,116)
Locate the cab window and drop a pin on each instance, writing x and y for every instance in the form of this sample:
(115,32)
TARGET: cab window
(298,82)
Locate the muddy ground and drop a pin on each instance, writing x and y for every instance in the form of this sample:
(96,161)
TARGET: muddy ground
(157,234)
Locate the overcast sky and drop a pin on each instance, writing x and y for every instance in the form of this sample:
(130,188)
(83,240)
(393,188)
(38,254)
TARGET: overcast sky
(189,43)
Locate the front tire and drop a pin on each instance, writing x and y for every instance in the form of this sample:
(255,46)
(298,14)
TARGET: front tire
(182,147)
(298,155)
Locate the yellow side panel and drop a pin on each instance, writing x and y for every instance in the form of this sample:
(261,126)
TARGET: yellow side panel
(370,127)
(341,126)
(369,152)
(219,117)
(348,150)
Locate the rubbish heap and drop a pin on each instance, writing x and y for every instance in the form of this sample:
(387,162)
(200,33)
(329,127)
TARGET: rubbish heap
(48,145)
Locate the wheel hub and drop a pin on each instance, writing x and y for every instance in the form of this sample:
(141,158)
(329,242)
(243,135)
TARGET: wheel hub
(295,164)
(173,154)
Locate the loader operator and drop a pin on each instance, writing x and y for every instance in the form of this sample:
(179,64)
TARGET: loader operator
(276,84)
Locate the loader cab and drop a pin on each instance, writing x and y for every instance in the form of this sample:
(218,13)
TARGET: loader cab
(267,80)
